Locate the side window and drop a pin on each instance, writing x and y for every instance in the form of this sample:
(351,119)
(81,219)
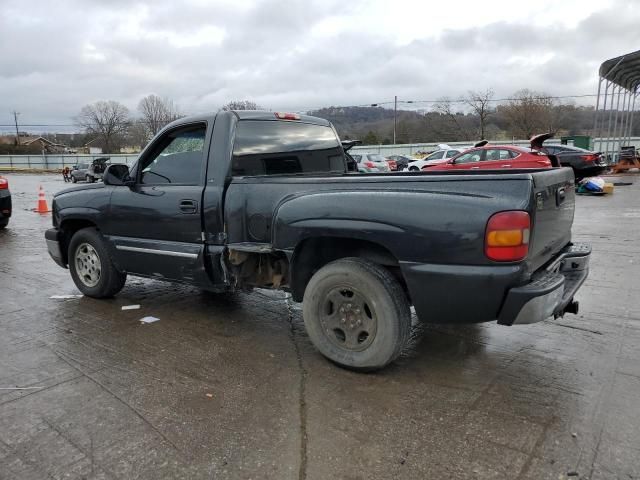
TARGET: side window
(469,157)
(436,155)
(492,155)
(357,158)
(505,155)
(177,158)
(451,153)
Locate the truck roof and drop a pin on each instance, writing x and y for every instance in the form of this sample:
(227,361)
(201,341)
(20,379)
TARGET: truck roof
(249,115)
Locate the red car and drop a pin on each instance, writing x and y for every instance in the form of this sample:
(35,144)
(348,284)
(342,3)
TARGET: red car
(493,157)
(393,165)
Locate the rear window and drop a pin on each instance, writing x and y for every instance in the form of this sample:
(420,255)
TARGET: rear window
(279,148)
(375,157)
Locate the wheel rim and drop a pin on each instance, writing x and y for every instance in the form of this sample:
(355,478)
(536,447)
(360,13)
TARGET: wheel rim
(348,319)
(88,266)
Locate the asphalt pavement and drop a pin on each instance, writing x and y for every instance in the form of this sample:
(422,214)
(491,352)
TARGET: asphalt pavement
(230,386)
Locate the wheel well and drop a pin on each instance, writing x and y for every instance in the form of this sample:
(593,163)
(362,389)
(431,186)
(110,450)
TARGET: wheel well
(313,253)
(68,228)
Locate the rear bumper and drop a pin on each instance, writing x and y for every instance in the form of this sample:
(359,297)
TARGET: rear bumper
(550,291)
(53,246)
(452,294)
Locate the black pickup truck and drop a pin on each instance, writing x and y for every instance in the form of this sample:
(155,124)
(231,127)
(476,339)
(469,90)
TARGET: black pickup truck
(237,200)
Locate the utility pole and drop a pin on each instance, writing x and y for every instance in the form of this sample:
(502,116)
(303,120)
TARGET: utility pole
(15,119)
(395,117)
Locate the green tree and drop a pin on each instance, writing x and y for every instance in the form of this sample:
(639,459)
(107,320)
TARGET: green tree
(370,138)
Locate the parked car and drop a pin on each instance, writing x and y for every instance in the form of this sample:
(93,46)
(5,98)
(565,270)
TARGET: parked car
(492,157)
(79,172)
(89,172)
(401,161)
(268,203)
(5,202)
(584,163)
(97,168)
(439,155)
(370,162)
(393,166)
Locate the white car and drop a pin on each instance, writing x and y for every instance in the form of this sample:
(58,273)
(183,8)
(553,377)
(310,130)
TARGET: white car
(444,152)
(370,162)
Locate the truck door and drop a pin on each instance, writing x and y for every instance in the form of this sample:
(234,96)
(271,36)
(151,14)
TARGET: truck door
(155,225)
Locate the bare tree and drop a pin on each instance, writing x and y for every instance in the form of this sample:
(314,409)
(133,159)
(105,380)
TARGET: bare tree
(479,103)
(241,105)
(456,124)
(157,112)
(529,113)
(105,120)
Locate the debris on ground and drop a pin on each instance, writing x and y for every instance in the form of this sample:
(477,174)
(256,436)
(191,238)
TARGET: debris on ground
(210,395)
(130,307)
(149,319)
(593,186)
(65,297)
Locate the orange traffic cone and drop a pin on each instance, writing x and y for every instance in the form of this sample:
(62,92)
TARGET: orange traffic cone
(42,202)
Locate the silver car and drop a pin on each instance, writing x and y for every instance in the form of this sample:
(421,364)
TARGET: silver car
(370,162)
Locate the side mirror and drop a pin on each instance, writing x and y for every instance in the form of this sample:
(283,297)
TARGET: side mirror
(117,174)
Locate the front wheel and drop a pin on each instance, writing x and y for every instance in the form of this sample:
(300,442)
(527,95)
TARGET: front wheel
(91,266)
(356,314)
(74,179)
(414,169)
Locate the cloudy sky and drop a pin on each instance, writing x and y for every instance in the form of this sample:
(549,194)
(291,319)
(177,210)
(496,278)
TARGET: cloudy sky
(297,55)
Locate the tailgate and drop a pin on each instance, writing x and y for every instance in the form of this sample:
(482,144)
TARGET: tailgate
(552,213)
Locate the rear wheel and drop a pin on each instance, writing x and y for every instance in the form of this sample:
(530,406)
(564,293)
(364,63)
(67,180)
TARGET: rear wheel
(414,169)
(91,266)
(89,179)
(73,179)
(3,223)
(356,314)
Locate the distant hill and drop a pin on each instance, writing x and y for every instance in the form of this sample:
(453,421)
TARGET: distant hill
(358,122)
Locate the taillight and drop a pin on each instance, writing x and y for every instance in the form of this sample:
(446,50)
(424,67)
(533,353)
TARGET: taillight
(589,158)
(4,184)
(369,165)
(287,116)
(507,236)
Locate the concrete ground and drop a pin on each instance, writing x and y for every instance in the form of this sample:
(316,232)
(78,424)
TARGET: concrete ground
(232,388)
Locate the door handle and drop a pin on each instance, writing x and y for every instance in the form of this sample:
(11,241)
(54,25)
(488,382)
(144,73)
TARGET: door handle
(188,206)
(506,166)
(475,168)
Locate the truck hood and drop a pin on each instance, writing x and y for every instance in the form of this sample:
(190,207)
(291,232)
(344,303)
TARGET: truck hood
(78,188)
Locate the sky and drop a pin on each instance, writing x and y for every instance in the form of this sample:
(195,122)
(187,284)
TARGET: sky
(57,56)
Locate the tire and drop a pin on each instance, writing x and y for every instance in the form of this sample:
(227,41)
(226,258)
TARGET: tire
(3,223)
(89,179)
(73,179)
(91,265)
(414,169)
(356,314)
